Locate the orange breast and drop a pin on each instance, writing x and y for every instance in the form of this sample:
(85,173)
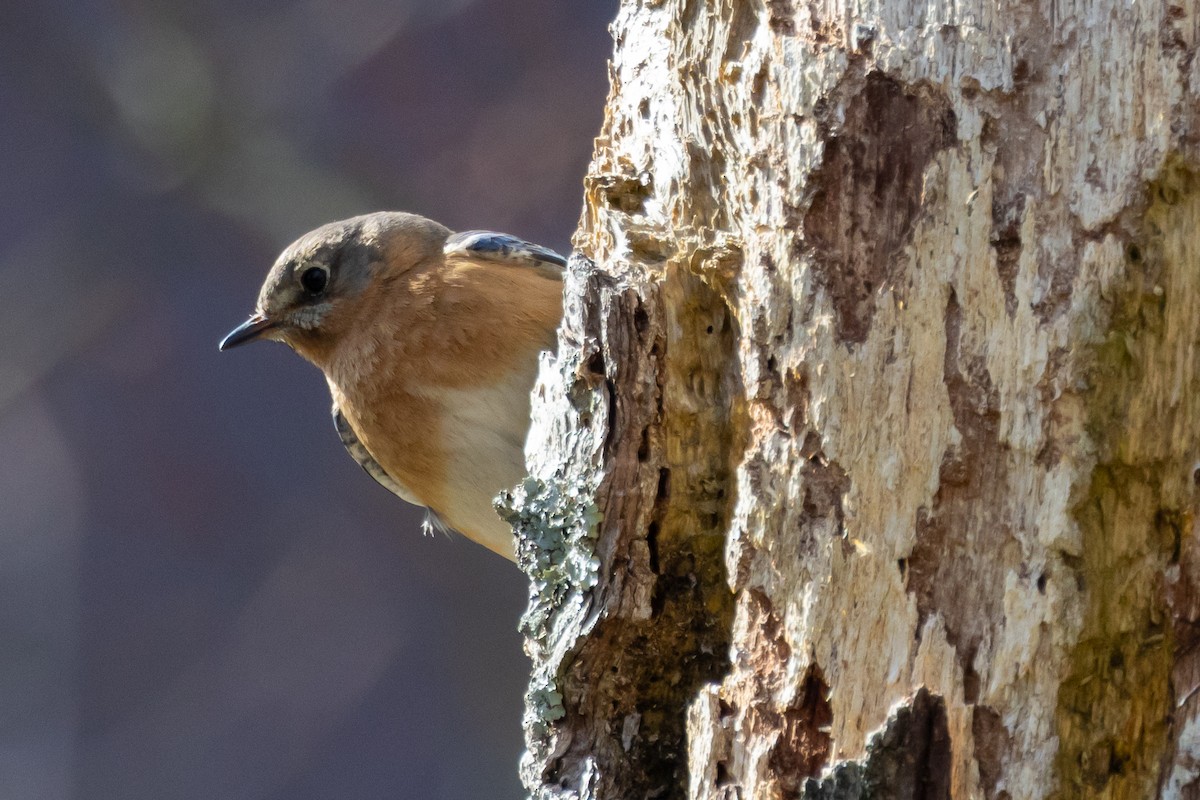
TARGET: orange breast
(436,376)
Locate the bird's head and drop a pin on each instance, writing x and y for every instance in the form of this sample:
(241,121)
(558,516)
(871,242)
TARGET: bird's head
(316,290)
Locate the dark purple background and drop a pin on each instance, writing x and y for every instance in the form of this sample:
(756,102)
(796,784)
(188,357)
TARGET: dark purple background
(202,596)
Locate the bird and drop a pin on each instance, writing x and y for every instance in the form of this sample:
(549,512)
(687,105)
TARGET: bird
(429,341)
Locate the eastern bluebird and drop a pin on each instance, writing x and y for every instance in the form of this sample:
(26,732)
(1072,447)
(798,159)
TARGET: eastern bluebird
(429,342)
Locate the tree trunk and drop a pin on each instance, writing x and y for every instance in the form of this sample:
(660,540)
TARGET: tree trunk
(870,459)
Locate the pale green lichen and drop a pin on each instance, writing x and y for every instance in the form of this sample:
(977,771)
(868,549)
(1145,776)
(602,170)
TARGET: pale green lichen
(556,524)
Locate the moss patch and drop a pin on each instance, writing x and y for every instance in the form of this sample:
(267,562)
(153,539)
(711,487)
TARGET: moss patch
(1115,705)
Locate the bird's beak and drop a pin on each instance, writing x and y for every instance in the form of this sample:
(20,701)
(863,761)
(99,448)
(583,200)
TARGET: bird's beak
(248,331)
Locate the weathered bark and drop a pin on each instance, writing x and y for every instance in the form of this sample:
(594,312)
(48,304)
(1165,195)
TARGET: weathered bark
(869,462)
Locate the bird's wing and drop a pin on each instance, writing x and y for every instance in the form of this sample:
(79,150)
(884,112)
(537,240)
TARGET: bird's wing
(505,249)
(373,468)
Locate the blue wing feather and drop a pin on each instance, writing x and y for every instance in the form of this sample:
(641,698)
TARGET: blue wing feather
(501,247)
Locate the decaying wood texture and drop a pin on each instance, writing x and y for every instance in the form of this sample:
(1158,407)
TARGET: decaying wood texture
(870,459)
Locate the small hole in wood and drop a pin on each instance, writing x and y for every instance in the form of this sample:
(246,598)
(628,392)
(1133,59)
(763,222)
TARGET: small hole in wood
(664,484)
(641,320)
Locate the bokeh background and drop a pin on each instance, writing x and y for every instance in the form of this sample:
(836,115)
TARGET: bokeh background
(201,595)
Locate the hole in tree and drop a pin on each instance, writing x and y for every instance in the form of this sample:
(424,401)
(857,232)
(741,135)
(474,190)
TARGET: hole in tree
(596,365)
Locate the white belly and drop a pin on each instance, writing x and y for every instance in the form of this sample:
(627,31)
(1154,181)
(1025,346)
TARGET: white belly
(484,432)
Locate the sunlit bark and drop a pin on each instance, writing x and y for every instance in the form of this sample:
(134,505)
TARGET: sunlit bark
(868,466)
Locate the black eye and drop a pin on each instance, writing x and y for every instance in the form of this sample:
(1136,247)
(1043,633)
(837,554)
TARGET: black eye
(314,280)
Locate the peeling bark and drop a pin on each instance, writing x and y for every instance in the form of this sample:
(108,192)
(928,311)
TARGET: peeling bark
(868,462)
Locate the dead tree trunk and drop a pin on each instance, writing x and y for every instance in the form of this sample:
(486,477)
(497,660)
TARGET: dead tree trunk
(870,460)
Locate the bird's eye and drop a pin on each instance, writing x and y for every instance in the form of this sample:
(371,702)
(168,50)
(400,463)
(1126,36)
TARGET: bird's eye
(314,280)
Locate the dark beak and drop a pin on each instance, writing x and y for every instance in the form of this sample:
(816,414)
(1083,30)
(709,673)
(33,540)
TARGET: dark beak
(248,331)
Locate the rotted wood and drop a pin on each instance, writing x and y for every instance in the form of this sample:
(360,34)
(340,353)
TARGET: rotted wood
(869,454)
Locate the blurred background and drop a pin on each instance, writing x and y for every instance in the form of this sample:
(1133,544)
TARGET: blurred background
(201,595)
